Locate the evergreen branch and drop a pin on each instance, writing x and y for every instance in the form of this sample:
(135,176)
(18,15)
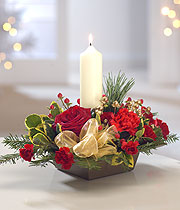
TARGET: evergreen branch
(116,88)
(43,160)
(9,158)
(15,142)
(146,148)
(172,138)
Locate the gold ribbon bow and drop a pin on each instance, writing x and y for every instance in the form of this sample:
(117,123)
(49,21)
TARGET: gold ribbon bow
(90,141)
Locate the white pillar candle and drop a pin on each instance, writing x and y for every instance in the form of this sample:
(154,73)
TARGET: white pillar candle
(90,77)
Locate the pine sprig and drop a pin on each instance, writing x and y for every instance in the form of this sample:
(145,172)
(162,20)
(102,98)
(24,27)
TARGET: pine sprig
(116,88)
(172,138)
(43,160)
(15,142)
(146,148)
(9,158)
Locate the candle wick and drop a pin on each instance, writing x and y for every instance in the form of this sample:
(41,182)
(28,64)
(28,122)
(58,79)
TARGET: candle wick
(90,44)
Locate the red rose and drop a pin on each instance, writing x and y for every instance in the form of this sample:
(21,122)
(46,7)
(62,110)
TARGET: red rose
(163,126)
(73,118)
(130,147)
(27,152)
(149,132)
(106,117)
(64,157)
(126,121)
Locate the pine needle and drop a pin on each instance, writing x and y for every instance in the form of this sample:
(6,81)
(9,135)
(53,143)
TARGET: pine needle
(116,88)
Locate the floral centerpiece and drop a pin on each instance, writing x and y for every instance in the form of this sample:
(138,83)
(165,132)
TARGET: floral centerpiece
(106,139)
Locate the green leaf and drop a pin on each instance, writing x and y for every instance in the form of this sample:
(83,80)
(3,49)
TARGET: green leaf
(117,160)
(57,109)
(49,131)
(40,139)
(140,133)
(33,121)
(58,128)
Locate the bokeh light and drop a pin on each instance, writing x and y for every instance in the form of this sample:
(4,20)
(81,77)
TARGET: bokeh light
(177,1)
(11,20)
(167,31)
(176,23)
(13,32)
(8,65)
(6,26)
(172,14)
(165,10)
(17,47)
(2,56)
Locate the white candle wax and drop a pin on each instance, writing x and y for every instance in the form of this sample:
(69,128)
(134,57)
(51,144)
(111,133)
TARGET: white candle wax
(90,77)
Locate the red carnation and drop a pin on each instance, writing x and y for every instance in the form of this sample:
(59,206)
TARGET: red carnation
(149,132)
(64,157)
(163,126)
(130,147)
(27,152)
(73,118)
(126,121)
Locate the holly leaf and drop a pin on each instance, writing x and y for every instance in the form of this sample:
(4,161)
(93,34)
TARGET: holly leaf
(33,121)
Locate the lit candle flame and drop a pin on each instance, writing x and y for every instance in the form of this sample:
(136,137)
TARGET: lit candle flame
(90,39)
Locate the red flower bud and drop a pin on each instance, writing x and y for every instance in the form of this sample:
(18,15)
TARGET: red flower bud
(50,115)
(66,101)
(100,128)
(52,107)
(129,99)
(60,95)
(78,101)
(141,101)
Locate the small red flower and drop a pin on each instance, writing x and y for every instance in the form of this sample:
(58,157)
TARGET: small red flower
(141,101)
(147,115)
(100,128)
(78,101)
(149,132)
(163,126)
(103,95)
(27,152)
(64,157)
(129,99)
(130,147)
(52,107)
(117,136)
(50,115)
(60,95)
(66,101)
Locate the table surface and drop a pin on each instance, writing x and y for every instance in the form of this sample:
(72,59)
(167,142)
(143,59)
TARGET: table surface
(154,184)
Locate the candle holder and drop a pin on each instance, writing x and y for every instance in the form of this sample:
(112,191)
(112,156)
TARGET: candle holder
(91,142)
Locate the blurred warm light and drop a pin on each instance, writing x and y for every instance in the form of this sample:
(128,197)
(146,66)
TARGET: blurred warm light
(13,32)
(6,26)
(17,46)
(172,14)
(176,23)
(165,10)
(2,56)
(8,65)
(90,39)
(177,1)
(11,20)
(167,31)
